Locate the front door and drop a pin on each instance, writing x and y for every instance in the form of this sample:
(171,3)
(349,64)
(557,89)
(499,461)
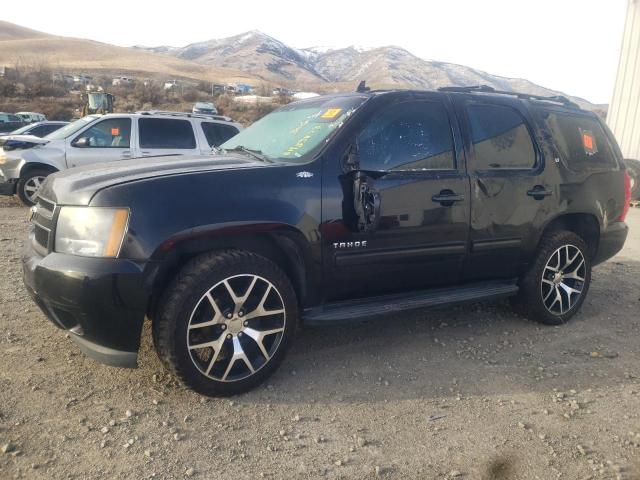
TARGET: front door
(104,141)
(511,196)
(403,220)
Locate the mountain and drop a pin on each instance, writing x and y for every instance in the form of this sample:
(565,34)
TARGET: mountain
(22,46)
(267,58)
(254,58)
(254,52)
(10,31)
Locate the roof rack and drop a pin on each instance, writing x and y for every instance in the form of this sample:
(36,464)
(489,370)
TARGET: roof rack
(561,99)
(185,114)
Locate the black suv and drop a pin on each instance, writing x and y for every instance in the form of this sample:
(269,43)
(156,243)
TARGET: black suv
(332,209)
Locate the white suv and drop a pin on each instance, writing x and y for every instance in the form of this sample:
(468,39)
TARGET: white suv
(107,138)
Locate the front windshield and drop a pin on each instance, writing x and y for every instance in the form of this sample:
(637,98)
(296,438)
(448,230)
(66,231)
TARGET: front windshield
(293,132)
(71,128)
(22,129)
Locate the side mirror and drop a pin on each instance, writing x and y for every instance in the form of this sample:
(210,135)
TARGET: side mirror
(81,142)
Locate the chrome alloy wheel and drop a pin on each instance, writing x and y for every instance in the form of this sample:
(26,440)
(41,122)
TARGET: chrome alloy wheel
(32,187)
(563,279)
(236,327)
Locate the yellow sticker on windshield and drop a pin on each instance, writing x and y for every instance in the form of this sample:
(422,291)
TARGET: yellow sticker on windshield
(331,113)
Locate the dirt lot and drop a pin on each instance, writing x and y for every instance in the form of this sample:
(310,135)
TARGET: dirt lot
(470,392)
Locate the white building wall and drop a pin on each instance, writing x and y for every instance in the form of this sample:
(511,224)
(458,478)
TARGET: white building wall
(624,111)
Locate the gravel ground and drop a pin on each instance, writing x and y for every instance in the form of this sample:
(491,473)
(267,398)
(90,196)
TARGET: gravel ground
(471,392)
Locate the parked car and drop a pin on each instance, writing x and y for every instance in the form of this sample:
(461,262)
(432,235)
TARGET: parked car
(205,108)
(38,129)
(108,138)
(329,210)
(10,122)
(31,117)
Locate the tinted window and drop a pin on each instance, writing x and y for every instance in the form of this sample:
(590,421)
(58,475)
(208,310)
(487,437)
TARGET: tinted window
(166,133)
(47,129)
(218,133)
(581,141)
(38,131)
(409,136)
(110,133)
(500,138)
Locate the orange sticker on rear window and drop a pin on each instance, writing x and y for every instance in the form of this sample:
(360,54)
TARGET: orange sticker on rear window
(115,132)
(588,142)
(331,113)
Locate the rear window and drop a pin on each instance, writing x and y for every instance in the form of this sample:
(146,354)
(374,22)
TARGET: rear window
(500,137)
(166,133)
(218,133)
(581,141)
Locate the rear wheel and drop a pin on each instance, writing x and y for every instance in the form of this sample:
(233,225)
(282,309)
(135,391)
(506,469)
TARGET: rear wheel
(29,185)
(555,286)
(226,322)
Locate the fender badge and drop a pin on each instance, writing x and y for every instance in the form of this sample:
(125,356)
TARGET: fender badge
(304,174)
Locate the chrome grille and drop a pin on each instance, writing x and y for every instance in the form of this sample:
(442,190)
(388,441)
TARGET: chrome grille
(43,225)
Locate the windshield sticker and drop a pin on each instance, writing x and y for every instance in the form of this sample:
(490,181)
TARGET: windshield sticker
(588,142)
(293,149)
(331,113)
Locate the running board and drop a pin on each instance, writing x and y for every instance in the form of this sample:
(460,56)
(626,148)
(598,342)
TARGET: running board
(361,309)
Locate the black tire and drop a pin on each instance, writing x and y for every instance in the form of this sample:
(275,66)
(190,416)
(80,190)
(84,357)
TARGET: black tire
(193,293)
(633,167)
(530,300)
(26,182)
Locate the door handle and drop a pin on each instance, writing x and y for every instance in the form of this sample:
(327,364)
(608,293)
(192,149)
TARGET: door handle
(126,155)
(447,197)
(539,192)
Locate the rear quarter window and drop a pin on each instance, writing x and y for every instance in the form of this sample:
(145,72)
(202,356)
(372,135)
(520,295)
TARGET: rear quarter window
(580,140)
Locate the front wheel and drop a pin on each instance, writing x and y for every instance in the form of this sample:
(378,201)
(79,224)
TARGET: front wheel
(555,286)
(29,185)
(226,321)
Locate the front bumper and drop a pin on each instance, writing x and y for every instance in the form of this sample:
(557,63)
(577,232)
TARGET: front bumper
(611,241)
(100,302)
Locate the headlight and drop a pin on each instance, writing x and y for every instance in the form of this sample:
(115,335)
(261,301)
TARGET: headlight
(91,231)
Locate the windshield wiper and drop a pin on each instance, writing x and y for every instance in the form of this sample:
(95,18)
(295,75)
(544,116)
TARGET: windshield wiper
(254,153)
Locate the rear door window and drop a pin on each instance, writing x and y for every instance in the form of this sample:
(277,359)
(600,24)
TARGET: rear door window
(500,137)
(166,133)
(581,141)
(218,133)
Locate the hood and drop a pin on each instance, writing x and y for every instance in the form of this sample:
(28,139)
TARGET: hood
(78,185)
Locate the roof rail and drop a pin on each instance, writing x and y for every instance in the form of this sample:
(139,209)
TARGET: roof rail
(561,99)
(185,114)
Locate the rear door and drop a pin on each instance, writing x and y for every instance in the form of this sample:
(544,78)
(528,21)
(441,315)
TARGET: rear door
(511,195)
(166,136)
(106,140)
(416,196)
